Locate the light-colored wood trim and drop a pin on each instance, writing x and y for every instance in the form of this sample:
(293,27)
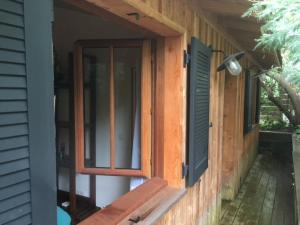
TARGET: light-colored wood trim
(170,112)
(159,110)
(174,114)
(78,107)
(153,210)
(123,206)
(112,113)
(146,104)
(113,172)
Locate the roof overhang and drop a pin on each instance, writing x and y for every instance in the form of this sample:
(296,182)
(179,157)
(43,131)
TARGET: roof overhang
(227,15)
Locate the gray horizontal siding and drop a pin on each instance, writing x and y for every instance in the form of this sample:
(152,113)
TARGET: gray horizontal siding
(14,202)
(12,69)
(13,130)
(7,30)
(13,106)
(13,154)
(11,19)
(14,190)
(13,118)
(12,7)
(14,166)
(24,220)
(12,82)
(15,197)
(14,214)
(14,178)
(13,94)
(12,44)
(11,56)
(13,142)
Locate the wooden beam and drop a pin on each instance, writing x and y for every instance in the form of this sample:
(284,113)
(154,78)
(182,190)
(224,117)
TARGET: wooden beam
(138,13)
(89,8)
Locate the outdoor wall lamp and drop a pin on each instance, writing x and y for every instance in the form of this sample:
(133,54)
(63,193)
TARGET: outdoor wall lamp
(231,63)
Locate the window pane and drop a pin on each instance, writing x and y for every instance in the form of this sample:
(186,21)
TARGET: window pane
(96,107)
(127,75)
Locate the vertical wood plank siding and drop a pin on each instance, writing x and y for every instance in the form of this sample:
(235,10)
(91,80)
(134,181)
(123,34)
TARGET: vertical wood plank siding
(201,205)
(15,205)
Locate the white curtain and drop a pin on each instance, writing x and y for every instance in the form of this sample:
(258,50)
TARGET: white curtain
(136,144)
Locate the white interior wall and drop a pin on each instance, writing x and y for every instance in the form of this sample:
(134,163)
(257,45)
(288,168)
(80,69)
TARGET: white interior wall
(71,25)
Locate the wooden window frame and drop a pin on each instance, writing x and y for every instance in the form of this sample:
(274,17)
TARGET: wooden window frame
(146,104)
(169,108)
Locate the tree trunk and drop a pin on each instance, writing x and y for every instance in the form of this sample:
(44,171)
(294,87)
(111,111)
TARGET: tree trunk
(294,97)
(279,104)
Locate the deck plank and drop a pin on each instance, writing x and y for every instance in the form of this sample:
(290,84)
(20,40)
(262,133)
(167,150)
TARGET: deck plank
(266,197)
(268,204)
(232,208)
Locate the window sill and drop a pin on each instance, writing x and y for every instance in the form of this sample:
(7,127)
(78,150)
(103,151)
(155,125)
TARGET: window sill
(146,204)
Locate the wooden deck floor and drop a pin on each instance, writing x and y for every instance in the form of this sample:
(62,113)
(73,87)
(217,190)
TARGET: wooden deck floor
(267,195)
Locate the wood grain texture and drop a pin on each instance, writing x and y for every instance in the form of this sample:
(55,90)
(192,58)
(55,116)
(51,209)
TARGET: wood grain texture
(205,195)
(266,197)
(158,110)
(173,111)
(177,21)
(112,112)
(124,206)
(146,108)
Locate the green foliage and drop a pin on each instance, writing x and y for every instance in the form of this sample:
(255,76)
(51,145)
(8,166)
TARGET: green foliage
(270,124)
(298,133)
(280,33)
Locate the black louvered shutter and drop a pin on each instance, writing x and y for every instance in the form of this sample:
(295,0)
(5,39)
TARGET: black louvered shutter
(199,75)
(15,196)
(257,112)
(248,103)
(22,162)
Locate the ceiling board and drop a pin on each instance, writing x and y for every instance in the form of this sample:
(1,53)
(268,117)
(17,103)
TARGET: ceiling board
(228,14)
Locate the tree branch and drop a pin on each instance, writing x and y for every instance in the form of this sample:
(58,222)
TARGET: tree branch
(295,99)
(280,106)
(278,58)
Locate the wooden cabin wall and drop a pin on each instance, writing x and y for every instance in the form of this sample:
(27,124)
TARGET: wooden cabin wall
(239,149)
(202,203)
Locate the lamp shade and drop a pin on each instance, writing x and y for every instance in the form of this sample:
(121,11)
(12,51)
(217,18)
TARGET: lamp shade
(231,63)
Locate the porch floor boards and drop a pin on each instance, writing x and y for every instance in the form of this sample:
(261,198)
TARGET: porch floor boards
(267,195)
